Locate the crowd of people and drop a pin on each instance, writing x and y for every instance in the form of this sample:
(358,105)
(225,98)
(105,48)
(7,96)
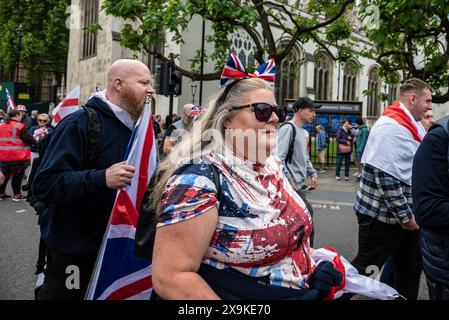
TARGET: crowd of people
(233,218)
(19,135)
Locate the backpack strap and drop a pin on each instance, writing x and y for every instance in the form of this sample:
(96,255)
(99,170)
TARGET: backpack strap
(148,217)
(291,146)
(217,178)
(93,133)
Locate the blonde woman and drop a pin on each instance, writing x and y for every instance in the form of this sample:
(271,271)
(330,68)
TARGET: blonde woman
(249,238)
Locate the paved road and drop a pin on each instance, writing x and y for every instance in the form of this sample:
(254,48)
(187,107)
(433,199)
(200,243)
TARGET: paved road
(335,226)
(19,241)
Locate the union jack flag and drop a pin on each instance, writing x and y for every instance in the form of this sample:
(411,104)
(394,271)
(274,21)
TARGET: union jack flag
(235,70)
(119,274)
(10,105)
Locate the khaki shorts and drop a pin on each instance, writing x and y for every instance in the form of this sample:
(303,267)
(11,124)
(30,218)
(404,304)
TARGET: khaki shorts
(322,155)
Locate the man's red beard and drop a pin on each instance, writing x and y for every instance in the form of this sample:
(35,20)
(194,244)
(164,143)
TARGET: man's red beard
(132,104)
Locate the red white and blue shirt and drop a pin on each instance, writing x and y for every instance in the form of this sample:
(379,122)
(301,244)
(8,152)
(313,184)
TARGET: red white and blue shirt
(263,225)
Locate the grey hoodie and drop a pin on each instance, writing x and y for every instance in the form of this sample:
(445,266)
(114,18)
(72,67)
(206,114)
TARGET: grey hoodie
(300,167)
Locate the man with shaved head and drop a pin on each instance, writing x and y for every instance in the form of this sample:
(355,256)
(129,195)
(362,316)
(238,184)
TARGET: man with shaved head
(79,184)
(175,131)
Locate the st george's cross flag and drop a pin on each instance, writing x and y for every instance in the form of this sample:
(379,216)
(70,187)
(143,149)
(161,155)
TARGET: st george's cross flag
(69,105)
(118,273)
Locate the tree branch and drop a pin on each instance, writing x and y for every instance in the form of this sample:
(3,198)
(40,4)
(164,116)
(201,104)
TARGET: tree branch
(441,98)
(319,25)
(301,30)
(195,76)
(258,4)
(317,40)
(258,55)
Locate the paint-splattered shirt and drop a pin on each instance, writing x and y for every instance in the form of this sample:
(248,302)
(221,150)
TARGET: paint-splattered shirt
(263,225)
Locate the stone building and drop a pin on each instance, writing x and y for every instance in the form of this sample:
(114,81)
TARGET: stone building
(316,74)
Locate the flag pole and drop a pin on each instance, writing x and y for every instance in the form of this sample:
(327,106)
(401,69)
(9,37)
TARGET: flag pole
(98,263)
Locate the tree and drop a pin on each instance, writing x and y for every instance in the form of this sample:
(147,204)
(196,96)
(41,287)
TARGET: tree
(45,36)
(325,24)
(410,37)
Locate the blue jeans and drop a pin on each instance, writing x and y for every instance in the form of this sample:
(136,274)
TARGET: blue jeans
(340,157)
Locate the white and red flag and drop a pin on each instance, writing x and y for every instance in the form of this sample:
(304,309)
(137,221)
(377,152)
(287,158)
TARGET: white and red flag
(118,273)
(10,105)
(393,141)
(69,105)
(353,282)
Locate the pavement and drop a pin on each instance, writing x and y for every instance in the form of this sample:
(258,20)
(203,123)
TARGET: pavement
(333,192)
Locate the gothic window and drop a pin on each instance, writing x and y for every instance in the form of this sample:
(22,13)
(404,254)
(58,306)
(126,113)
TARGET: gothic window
(244,47)
(288,83)
(89,39)
(393,90)
(373,97)
(350,76)
(323,77)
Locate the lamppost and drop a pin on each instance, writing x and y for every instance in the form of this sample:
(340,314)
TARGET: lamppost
(193,89)
(19,32)
(203,35)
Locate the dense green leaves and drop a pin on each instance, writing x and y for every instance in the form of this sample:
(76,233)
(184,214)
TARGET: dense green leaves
(410,36)
(44,40)
(258,18)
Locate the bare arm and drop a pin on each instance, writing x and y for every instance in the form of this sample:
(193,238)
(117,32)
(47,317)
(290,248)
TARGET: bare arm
(178,251)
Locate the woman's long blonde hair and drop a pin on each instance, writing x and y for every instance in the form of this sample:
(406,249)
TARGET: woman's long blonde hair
(207,134)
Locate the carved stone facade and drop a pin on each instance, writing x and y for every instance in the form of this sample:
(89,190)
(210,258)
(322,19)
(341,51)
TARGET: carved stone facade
(90,73)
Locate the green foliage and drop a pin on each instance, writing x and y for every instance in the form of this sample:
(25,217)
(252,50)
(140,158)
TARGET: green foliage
(408,35)
(45,36)
(155,19)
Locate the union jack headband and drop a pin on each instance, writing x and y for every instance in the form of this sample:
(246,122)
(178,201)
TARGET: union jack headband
(234,71)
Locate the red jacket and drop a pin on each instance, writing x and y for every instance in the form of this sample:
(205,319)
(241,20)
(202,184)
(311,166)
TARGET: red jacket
(12,147)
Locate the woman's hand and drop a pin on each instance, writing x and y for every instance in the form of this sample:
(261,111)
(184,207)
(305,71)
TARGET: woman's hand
(324,278)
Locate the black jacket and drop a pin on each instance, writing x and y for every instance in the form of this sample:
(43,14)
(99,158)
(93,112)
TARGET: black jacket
(430,187)
(80,202)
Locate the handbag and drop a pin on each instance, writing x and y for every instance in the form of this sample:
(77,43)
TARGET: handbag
(344,148)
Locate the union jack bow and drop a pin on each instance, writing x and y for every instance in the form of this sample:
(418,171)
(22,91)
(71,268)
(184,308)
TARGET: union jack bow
(234,70)
(195,112)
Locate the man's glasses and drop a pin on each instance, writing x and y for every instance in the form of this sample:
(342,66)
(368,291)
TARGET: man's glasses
(264,110)
(41,120)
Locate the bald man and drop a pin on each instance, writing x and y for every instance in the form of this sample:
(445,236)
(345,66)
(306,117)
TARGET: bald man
(176,130)
(79,191)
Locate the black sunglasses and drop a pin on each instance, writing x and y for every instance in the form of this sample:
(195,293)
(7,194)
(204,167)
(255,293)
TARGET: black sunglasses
(41,120)
(263,111)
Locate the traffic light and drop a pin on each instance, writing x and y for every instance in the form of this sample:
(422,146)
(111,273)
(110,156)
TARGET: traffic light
(176,83)
(164,79)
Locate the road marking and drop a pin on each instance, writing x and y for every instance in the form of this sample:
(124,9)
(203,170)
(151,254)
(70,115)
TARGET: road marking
(330,203)
(20,211)
(325,206)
